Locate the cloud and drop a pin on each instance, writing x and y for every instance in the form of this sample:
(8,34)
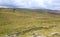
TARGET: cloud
(53,4)
(47,4)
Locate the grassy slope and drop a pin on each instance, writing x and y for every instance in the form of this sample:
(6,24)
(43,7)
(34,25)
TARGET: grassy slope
(14,22)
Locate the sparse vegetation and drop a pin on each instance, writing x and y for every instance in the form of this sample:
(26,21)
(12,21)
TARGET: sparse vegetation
(12,22)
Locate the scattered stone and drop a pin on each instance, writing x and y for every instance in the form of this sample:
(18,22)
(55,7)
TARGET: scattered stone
(37,36)
(34,33)
(41,36)
(55,33)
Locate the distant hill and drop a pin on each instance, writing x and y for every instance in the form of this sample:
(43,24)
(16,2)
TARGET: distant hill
(32,10)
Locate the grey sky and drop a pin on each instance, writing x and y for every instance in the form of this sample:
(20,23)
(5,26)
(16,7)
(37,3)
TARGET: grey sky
(47,4)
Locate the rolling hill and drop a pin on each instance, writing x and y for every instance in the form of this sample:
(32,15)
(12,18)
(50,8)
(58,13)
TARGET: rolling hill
(12,22)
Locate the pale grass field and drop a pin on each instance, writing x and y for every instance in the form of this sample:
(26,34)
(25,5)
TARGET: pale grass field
(14,22)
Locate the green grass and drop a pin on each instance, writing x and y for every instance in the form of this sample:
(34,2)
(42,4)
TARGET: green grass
(11,22)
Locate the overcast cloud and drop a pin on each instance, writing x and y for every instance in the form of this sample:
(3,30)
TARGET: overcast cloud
(47,4)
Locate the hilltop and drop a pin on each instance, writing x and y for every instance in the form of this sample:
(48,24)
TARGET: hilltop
(12,22)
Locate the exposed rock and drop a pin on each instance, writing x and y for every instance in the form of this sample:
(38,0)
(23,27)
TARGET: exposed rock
(38,36)
(35,28)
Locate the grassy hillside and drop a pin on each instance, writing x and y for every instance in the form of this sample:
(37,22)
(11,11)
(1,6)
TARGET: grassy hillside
(12,22)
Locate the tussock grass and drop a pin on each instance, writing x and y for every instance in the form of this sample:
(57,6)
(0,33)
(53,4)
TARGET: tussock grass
(11,22)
